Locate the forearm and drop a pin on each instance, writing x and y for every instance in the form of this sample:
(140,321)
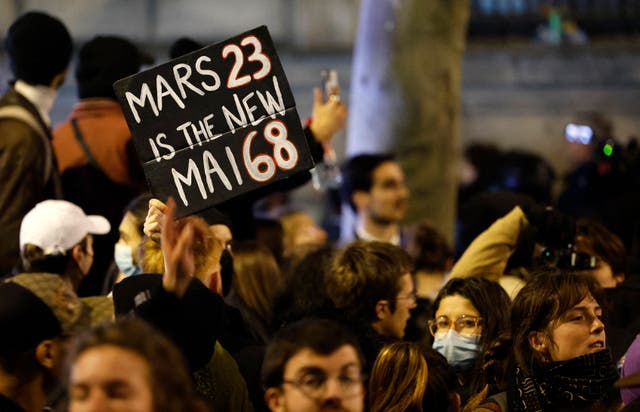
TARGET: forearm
(489,252)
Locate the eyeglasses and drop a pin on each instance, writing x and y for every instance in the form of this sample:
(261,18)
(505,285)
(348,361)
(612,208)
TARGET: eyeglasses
(464,324)
(314,385)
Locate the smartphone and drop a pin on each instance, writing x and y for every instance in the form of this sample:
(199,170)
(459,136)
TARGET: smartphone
(329,83)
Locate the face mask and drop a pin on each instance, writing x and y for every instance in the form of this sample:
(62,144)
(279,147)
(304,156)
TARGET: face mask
(461,350)
(124,260)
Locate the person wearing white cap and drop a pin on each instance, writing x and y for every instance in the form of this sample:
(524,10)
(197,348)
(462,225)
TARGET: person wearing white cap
(56,237)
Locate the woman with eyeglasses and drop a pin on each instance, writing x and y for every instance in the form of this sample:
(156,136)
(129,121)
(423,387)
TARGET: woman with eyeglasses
(559,344)
(470,328)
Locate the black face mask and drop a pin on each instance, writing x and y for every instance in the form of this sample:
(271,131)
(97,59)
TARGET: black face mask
(226,271)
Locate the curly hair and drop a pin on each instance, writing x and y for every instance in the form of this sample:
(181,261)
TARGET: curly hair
(168,377)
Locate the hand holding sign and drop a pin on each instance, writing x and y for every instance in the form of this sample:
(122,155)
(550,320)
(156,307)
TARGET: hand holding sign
(153,222)
(215,123)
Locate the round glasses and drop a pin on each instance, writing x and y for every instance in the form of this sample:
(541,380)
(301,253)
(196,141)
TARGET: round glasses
(314,386)
(463,324)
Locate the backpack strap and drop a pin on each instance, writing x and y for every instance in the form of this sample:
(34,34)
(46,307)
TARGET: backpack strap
(83,144)
(21,114)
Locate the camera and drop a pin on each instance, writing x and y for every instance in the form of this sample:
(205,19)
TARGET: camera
(567,258)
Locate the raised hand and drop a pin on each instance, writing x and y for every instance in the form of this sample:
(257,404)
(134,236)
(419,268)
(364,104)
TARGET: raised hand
(328,117)
(154,219)
(176,245)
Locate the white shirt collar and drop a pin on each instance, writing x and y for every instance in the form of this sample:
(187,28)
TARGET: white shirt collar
(362,234)
(42,98)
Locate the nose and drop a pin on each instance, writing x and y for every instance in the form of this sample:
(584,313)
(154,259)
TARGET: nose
(334,389)
(597,326)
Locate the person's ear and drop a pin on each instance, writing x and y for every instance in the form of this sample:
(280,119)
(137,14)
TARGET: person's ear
(382,309)
(274,398)
(360,198)
(538,341)
(78,252)
(47,353)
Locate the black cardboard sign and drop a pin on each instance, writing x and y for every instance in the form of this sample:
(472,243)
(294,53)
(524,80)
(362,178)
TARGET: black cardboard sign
(215,123)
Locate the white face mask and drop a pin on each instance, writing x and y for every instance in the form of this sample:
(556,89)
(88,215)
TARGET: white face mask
(123,255)
(461,350)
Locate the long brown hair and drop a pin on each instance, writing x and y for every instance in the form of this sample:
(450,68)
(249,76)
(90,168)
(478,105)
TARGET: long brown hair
(398,379)
(547,296)
(256,277)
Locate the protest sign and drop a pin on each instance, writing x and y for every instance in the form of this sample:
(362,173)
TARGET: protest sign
(215,123)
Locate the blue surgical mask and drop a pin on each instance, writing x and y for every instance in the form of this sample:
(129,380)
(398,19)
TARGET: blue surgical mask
(461,350)
(123,256)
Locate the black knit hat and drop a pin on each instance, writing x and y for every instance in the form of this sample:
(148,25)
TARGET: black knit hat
(39,48)
(104,60)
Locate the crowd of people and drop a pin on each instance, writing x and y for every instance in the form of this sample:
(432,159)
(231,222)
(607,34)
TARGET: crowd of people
(110,303)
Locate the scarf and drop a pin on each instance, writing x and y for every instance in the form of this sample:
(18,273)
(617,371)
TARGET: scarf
(572,384)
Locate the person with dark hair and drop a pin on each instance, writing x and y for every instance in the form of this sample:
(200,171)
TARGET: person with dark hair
(313,365)
(270,233)
(559,343)
(128,366)
(606,249)
(373,185)
(441,394)
(371,283)
(505,251)
(303,291)
(182,46)
(38,312)
(471,330)
(96,156)
(432,259)
(39,47)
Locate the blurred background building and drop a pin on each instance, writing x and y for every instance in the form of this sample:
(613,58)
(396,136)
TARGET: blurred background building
(529,66)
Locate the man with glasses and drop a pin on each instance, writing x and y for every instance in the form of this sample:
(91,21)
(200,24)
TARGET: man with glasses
(313,365)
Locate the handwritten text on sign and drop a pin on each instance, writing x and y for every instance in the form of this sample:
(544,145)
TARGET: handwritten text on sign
(215,123)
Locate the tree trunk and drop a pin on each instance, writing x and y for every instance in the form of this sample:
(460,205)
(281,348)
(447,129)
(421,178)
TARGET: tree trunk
(405,96)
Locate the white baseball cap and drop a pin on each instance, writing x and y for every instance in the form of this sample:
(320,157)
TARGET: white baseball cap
(56,226)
